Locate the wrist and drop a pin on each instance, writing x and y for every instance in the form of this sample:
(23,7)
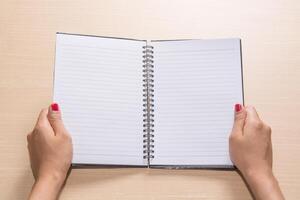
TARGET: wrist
(53,180)
(47,187)
(263,184)
(258,174)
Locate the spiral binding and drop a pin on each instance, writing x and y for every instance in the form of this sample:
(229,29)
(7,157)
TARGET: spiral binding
(148,103)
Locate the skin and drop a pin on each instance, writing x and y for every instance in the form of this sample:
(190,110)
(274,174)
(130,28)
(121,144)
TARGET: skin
(50,150)
(250,149)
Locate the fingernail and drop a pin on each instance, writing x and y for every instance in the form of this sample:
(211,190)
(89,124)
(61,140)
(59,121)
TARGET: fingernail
(237,107)
(54,107)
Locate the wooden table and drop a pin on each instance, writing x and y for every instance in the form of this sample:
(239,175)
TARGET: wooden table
(270,32)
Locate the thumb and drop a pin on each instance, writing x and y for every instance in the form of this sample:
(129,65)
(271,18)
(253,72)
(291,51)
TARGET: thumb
(54,117)
(239,119)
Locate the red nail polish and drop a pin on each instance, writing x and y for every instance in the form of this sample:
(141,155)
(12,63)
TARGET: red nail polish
(54,107)
(237,107)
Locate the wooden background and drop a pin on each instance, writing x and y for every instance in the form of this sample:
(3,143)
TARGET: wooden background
(270,32)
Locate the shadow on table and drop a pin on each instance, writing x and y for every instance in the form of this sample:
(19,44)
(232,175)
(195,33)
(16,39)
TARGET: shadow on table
(229,180)
(102,173)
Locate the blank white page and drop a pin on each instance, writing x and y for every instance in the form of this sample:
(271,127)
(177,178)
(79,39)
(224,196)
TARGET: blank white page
(98,85)
(196,84)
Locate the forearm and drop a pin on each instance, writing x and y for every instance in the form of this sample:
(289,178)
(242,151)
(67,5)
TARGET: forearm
(263,185)
(47,188)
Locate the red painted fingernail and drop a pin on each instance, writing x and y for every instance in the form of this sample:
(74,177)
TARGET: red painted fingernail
(237,107)
(54,107)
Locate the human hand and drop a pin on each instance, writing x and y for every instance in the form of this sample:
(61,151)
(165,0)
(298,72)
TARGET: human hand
(250,150)
(250,141)
(50,150)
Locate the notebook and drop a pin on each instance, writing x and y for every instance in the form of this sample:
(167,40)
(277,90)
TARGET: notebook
(148,103)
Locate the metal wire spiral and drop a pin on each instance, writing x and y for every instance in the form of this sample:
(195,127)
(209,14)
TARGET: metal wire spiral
(148,103)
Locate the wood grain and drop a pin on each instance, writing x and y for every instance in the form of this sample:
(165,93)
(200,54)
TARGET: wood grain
(271,56)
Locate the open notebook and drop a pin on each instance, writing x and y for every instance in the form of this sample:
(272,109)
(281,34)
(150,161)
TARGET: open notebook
(148,103)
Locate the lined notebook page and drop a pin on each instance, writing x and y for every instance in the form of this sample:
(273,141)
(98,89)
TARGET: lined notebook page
(197,83)
(98,84)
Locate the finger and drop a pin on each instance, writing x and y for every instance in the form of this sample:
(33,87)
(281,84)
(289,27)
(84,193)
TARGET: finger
(252,114)
(42,124)
(239,119)
(42,116)
(29,137)
(54,117)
